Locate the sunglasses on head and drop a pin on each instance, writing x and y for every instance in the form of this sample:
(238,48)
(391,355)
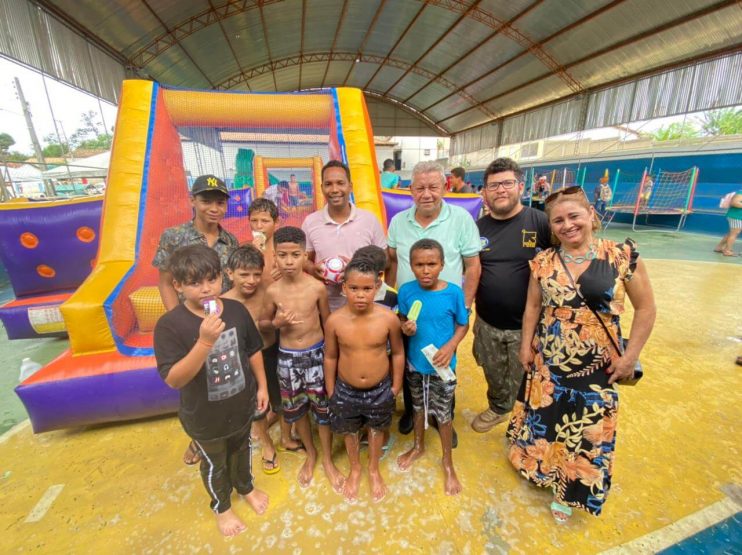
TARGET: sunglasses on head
(572,190)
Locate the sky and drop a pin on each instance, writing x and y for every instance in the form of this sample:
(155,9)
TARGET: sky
(67,103)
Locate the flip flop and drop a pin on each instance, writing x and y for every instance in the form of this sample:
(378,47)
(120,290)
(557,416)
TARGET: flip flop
(386,449)
(561,513)
(271,466)
(192,455)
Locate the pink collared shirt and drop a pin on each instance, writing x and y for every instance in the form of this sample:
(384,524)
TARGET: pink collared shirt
(327,239)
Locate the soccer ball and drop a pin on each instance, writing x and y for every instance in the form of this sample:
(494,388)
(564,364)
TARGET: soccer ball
(332,269)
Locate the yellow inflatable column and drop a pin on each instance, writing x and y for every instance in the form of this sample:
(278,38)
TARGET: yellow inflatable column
(83,313)
(359,148)
(319,198)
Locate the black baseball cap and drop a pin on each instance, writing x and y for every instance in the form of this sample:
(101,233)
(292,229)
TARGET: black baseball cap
(205,183)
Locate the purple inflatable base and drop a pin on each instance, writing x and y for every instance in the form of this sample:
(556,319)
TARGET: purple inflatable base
(53,405)
(17,325)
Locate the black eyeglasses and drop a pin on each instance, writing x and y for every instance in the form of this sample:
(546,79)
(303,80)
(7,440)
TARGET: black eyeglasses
(572,190)
(507,185)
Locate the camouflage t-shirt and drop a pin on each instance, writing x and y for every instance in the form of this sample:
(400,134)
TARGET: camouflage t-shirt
(186,234)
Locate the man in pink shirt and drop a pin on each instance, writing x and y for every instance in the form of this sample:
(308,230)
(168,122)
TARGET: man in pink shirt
(340,228)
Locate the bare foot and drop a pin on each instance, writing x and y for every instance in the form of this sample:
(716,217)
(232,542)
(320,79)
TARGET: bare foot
(351,485)
(333,475)
(451,485)
(378,487)
(307,472)
(258,500)
(292,446)
(404,462)
(229,523)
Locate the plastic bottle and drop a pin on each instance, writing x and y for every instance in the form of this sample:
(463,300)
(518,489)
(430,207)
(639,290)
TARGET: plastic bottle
(28,369)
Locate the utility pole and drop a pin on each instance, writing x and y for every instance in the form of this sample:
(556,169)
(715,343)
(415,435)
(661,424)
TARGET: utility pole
(34,139)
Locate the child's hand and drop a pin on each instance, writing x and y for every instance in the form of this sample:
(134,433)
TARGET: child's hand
(395,392)
(444,355)
(211,328)
(285,317)
(409,327)
(262,399)
(275,274)
(319,271)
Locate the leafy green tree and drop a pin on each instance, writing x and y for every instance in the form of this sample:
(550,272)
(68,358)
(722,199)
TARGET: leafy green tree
(6,141)
(99,142)
(15,156)
(722,122)
(674,131)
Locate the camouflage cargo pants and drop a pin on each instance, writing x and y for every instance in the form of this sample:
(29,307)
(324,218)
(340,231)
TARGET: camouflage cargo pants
(496,351)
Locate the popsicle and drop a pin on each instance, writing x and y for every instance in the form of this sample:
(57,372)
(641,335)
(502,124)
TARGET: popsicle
(415,310)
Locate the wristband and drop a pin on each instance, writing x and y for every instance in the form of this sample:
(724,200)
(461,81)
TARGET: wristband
(204,343)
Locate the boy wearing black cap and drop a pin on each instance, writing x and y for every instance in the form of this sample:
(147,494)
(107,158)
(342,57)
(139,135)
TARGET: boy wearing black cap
(209,196)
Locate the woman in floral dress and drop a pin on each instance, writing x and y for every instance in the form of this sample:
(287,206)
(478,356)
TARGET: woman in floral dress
(562,432)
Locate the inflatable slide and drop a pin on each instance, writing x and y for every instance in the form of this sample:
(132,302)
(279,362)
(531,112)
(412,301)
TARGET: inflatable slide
(163,138)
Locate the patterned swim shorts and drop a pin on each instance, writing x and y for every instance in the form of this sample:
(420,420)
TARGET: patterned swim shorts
(431,395)
(301,378)
(351,408)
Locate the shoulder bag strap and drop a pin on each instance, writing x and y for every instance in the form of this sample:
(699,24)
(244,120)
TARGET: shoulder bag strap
(574,285)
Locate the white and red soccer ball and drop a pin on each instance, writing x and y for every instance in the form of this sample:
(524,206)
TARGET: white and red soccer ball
(332,269)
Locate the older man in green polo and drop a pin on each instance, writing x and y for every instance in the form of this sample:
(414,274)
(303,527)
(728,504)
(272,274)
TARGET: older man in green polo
(431,217)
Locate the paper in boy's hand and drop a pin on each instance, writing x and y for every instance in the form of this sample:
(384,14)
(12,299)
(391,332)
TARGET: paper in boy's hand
(444,372)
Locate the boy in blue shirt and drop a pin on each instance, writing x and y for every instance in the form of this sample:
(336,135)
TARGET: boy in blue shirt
(442,322)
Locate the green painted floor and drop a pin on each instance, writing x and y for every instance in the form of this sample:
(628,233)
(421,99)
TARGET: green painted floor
(673,246)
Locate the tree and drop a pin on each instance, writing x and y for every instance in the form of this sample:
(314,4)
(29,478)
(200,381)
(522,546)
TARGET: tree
(99,142)
(90,130)
(15,156)
(674,131)
(6,141)
(7,155)
(722,122)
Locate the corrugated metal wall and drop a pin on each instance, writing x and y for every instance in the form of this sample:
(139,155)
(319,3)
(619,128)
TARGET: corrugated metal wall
(705,85)
(33,37)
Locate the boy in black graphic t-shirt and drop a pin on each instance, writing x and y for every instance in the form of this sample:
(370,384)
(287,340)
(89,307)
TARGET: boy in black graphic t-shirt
(511,235)
(213,358)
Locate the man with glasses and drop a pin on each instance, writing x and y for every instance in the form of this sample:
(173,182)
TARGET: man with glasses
(432,218)
(511,235)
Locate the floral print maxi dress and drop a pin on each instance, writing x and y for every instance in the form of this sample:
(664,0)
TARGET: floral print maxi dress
(562,432)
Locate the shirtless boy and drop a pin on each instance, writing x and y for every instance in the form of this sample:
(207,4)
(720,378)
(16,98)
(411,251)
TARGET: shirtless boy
(245,270)
(361,381)
(263,215)
(297,305)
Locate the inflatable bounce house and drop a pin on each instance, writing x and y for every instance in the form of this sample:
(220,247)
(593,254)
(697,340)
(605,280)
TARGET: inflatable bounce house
(48,248)
(165,138)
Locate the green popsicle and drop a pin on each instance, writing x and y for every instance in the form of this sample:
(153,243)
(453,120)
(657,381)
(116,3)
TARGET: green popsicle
(415,310)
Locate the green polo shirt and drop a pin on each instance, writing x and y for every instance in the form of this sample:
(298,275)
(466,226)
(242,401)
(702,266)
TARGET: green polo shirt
(454,229)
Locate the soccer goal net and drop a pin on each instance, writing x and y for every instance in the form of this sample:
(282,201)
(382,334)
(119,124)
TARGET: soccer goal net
(663,193)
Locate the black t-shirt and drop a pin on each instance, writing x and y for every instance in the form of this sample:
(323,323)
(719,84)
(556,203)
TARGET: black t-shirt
(507,246)
(220,400)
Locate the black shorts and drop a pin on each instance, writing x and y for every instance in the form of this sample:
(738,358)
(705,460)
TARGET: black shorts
(352,408)
(270,363)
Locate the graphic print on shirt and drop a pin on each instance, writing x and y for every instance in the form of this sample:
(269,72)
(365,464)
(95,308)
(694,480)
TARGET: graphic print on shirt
(226,377)
(529,239)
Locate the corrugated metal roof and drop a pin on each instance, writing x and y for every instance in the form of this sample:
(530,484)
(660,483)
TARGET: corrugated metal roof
(457,62)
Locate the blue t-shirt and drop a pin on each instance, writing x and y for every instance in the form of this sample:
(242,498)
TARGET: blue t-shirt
(441,312)
(389,180)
